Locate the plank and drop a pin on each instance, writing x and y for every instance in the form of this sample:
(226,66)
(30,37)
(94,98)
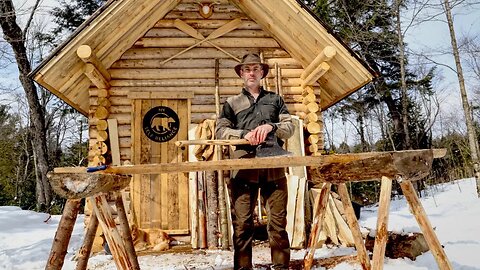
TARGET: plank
(114,142)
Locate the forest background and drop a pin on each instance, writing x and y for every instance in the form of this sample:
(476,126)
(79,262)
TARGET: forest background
(426,95)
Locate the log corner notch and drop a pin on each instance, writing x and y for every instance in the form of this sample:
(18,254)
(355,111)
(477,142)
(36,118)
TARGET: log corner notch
(94,69)
(82,185)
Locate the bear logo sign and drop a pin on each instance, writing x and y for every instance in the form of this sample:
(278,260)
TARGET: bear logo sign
(160,124)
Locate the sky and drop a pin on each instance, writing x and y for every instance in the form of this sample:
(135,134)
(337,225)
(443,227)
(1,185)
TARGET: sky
(452,208)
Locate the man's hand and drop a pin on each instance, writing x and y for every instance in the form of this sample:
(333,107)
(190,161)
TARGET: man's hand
(259,134)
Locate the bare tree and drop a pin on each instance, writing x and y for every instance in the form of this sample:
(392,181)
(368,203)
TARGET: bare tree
(472,138)
(15,36)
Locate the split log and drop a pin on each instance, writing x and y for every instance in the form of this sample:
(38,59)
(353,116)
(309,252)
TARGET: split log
(63,234)
(212,209)
(81,185)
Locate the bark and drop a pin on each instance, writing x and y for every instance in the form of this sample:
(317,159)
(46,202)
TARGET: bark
(466,107)
(13,34)
(63,235)
(212,210)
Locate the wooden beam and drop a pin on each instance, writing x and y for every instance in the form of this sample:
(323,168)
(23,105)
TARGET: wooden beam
(81,185)
(382,224)
(177,94)
(409,163)
(87,55)
(326,55)
(425,225)
(96,76)
(318,72)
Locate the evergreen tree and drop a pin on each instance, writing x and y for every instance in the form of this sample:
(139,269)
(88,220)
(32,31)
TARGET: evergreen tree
(369,29)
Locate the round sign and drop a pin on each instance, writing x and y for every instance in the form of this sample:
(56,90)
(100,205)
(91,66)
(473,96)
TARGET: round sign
(160,124)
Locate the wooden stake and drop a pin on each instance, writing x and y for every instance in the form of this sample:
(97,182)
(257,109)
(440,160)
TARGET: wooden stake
(354,227)
(86,249)
(382,224)
(317,221)
(425,225)
(63,234)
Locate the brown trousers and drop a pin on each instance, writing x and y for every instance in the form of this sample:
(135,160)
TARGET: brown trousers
(243,195)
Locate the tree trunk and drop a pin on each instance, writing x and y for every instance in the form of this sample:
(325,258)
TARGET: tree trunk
(466,107)
(403,85)
(14,36)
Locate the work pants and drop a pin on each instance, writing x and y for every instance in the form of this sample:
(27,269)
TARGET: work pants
(244,197)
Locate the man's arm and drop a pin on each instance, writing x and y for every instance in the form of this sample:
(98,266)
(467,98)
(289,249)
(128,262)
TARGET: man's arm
(225,125)
(284,129)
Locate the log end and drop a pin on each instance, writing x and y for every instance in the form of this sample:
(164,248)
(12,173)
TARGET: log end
(82,185)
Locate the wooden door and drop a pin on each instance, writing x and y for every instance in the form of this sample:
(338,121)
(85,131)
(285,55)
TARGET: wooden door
(160,201)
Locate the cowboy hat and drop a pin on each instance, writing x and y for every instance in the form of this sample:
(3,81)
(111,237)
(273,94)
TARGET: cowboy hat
(249,59)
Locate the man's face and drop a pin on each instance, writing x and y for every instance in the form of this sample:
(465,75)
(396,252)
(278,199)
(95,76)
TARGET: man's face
(251,74)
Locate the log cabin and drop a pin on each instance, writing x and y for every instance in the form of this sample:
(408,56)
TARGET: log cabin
(133,56)
(146,72)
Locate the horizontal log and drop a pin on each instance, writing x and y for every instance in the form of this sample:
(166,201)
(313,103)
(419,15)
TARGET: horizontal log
(200,53)
(221,42)
(173,32)
(210,23)
(411,164)
(81,185)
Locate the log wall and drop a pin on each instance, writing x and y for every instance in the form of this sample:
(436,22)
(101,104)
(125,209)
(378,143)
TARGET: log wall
(142,67)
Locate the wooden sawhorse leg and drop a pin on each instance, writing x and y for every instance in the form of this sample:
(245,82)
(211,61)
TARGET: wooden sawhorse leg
(122,255)
(422,219)
(354,227)
(63,234)
(317,224)
(85,250)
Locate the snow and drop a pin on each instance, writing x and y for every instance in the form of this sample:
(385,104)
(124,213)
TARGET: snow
(453,210)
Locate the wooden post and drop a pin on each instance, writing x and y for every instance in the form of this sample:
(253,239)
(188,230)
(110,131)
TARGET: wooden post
(317,221)
(202,219)
(109,228)
(125,231)
(84,252)
(382,224)
(354,227)
(221,180)
(422,219)
(63,234)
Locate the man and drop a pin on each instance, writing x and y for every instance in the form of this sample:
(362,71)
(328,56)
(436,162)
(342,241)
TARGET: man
(255,114)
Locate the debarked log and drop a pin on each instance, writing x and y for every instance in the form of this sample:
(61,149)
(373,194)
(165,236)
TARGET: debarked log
(81,185)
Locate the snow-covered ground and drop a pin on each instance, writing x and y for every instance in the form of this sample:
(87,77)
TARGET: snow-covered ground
(453,210)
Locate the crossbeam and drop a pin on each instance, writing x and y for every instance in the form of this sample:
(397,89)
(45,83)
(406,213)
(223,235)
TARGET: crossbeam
(400,162)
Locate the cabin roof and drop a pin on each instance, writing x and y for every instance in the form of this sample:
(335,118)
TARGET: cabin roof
(115,27)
